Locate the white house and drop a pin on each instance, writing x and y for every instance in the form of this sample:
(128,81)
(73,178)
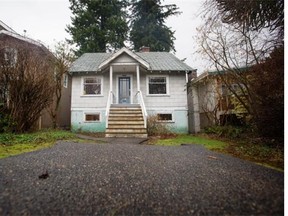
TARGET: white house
(116,92)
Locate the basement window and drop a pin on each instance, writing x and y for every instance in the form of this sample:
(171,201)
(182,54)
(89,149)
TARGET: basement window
(92,117)
(164,117)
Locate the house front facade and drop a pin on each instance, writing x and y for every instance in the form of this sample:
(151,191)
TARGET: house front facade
(116,92)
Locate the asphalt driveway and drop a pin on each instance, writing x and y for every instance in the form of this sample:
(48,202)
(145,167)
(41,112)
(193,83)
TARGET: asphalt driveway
(131,179)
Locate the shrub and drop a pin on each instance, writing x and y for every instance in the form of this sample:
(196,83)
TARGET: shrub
(156,128)
(225,131)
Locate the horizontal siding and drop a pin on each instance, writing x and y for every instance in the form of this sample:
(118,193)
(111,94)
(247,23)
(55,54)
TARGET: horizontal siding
(177,91)
(78,100)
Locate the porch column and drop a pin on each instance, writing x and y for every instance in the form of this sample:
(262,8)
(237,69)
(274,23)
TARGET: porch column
(111,77)
(138,77)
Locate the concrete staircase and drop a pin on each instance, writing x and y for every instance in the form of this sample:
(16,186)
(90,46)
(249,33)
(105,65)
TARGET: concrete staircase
(126,121)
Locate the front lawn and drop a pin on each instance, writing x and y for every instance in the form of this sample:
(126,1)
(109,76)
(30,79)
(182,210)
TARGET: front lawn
(255,152)
(13,144)
(190,139)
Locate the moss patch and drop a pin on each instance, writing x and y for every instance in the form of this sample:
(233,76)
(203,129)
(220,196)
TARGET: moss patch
(259,153)
(190,139)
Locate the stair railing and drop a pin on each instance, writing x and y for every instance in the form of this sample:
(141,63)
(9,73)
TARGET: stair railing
(109,102)
(143,108)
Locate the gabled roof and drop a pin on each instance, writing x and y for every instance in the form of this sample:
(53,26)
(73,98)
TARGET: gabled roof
(120,52)
(6,30)
(152,61)
(3,26)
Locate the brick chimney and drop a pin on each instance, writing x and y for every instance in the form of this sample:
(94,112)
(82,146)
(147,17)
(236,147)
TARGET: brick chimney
(144,49)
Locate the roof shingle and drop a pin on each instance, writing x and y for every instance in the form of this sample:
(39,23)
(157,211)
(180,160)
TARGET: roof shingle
(158,61)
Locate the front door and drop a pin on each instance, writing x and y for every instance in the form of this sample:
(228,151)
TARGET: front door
(124,90)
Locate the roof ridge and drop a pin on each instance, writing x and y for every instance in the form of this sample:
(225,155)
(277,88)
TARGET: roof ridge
(5,26)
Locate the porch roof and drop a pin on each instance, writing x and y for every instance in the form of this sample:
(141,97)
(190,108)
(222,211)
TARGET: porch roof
(158,61)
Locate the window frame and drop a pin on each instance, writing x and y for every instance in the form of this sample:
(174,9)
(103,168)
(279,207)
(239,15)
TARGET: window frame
(160,76)
(65,80)
(91,113)
(165,113)
(91,95)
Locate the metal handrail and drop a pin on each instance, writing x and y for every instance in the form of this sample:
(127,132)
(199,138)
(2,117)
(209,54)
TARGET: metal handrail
(143,108)
(109,102)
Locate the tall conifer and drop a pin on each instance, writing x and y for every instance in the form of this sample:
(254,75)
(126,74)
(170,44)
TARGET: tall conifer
(98,25)
(148,25)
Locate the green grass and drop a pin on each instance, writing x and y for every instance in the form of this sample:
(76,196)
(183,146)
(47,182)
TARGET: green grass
(255,152)
(190,139)
(13,144)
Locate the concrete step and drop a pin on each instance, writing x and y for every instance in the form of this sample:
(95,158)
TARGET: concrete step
(125,106)
(126,121)
(125,115)
(126,111)
(126,130)
(127,126)
(126,135)
(123,118)
(119,122)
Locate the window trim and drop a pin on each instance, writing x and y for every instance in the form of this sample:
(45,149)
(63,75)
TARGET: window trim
(166,121)
(91,113)
(91,95)
(167,85)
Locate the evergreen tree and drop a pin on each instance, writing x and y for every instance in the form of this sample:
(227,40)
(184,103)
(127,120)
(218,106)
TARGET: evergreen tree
(148,25)
(98,25)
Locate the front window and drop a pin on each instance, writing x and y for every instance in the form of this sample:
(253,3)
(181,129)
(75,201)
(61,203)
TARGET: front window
(92,86)
(157,85)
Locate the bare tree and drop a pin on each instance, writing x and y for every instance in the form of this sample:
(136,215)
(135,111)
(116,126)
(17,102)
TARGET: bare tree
(232,50)
(63,58)
(26,74)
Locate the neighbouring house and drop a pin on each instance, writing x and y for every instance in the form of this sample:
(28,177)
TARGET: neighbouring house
(13,41)
(116,92)
(211,102)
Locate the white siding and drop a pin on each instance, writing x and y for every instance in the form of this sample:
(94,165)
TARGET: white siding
(124,58)
(177,96)
(78,100)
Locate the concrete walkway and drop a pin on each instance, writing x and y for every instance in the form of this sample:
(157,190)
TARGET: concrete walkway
(114,140)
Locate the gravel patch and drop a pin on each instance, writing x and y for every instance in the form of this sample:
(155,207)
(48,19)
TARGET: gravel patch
(130,179)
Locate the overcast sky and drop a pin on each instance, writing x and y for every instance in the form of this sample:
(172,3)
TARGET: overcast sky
(46,20)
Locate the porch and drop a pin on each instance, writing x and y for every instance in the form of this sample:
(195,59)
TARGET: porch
(125,114)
